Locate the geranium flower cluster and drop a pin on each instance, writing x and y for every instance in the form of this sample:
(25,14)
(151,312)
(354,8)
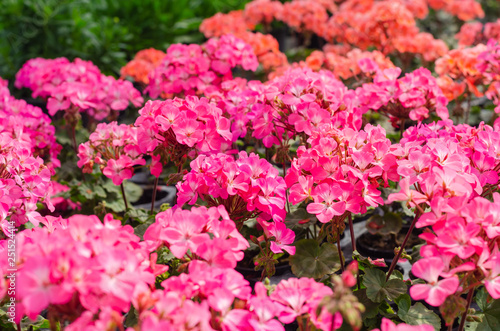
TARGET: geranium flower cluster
(299,102)
(422,44)
(371,24)
(261,12)
(488,63)
(235,22)
(209,298)
(388,325)
(142,64)
(193,69)
(386,25)
(304,15)
(78,265)
(300,15)
(458,71)
(464,9)
(342,171)
(265,46)
(266,49)
(348,65)
(247,187)
(450,169)
(413,96)
(173,130)
(236,98)
(29,126)
(77,86)
(24,181)
(114,148)
(473,33)
(202,234)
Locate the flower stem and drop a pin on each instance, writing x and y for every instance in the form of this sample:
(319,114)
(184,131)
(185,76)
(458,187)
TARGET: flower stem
(124,197)
(340,252)
(286,190)
(464,315)
(396,258)
(351,229)
(73,137)
(402,128)
(353,244)
(154,195)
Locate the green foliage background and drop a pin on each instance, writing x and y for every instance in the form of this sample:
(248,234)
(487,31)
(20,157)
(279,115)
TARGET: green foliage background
(107,32)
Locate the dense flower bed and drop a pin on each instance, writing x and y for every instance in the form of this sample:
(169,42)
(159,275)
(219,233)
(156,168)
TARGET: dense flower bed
(272,160)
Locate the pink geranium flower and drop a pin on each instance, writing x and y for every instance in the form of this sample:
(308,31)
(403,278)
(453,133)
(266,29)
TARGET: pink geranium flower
(388,325)
(436,291)
(325,206)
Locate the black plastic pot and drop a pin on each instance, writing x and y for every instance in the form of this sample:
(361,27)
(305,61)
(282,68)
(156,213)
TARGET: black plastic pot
(254,276)
(164,194)
(294,326)
(364,244)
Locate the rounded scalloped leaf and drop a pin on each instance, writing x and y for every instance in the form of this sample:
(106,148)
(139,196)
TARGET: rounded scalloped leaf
(314,261)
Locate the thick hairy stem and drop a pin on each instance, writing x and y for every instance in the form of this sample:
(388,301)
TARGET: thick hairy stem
(396,259)
(124,196)
(154,195)
(464,315)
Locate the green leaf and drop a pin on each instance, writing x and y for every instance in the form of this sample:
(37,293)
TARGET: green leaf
(490,312)
(131,318)
(86,191)
(139,215)
(396,275)
(312,260)
(403,302)
(418,315)
(133,191)
(371,308)
(377,289)
(141,229)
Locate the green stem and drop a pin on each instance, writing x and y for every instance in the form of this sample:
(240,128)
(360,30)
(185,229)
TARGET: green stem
(73,137)
(396,259)
(340,252)
(124,196)
(402,128)
(154,195)
(464,315)
(286,190)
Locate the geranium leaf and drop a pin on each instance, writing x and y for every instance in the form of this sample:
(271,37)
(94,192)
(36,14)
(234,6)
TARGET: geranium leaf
(377,289)
(418,314)
(313,260)
(490,312)
(403,302)
(371,308)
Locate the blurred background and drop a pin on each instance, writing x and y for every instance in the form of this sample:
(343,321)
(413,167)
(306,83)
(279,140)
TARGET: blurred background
(110,32)
(106,32)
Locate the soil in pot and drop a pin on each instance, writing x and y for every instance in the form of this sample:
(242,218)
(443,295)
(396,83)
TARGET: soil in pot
(378,246)
(246,267)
